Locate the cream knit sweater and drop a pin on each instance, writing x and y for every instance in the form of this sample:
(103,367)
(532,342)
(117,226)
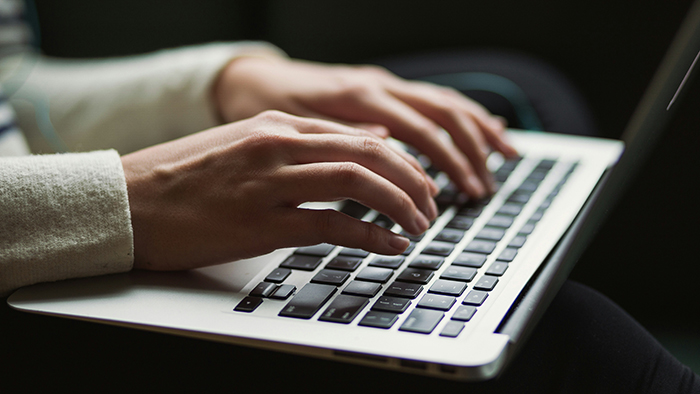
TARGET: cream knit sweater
(67,215)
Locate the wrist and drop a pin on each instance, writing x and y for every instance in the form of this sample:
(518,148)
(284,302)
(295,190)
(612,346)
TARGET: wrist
(228,86)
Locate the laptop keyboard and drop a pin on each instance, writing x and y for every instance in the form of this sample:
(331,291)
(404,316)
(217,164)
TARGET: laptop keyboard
(434,279)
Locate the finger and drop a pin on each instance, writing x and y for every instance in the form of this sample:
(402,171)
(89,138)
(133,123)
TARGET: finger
(466,133)
(376,129)
(329,226)
(310,122)
(353,127)
(375,155)
(325,127)
(409,125)
(494,123)
(444,102)
(347,180)
(417,165)
(384,134)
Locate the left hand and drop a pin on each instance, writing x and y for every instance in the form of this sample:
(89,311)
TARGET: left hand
(376,100)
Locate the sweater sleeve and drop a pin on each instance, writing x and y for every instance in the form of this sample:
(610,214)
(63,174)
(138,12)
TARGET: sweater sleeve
(126,103)
(62,216)
(67,215)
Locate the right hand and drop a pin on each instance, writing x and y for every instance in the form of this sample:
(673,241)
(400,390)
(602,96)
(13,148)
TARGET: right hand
(234,191)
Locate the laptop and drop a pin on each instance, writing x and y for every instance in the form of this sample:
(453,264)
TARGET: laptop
(457,305)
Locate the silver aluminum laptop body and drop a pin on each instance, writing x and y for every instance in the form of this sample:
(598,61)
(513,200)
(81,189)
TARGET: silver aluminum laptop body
(200,303)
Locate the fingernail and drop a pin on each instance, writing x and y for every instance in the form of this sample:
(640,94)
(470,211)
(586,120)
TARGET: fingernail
(476,185)
(490,183)
(501,121)
(422,223)
(433,186)
(432,208)
(398,242)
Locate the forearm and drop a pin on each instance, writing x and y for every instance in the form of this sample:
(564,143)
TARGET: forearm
(127,103)
(62,216)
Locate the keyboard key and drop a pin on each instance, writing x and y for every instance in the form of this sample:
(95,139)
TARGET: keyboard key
(412,237)
(379,319)
(508,254)
(248,304)
(468,259)
(391,304)
(422,321)
(321,250)
(282,292)
(308,301)
(501,221)
(330,277)
(475,297)
(528,186)
(510,209)
(546,203)
(427,262)
(415,275)
(452,329)
(448,287)
(527,228)
(486,283)
(439,248)
(455,272)
(375,274)
(471,211)
(518,241)
(461,223)
(353,252)
(392,262)
(278,275)
(344,309)
(354,209)
(498,268)
(364,289)
(546,164)
(435,301)
(263,289)
(519,198)
(345,263)
(480,246)
(401,289)
(301,262)
(464,313)
(491,233)
(450,235)
(409,249)
(383,221)
(446,197)
(537,216)
(537,175)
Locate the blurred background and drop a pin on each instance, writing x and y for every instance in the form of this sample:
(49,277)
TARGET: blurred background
(645,257)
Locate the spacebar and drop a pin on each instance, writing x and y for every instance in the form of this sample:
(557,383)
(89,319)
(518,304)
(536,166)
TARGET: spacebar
(308,301)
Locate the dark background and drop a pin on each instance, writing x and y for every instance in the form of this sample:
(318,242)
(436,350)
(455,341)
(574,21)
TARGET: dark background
(645,257)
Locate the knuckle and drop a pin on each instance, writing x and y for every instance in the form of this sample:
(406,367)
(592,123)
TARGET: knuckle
(272,115)
(449,90)
(264,143)
(405,204)
(349,173)
(354,90)
(422,184)
(374,70)
(371,147)
(447,112)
